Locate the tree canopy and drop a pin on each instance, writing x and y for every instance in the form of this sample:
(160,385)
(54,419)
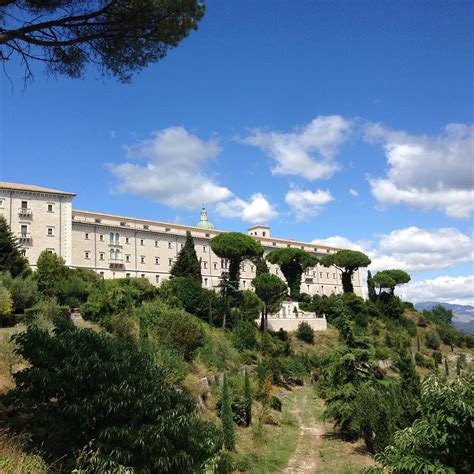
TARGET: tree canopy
(292,262)
(120,37)
(187,263)
(121,407)
(348,261)
(235,247)
(10,258)
(389,279)
(271,290)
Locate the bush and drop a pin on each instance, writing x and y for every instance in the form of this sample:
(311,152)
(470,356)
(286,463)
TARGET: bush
(172,327)
(23,291)
(422,322)
(420,359)
(243,335)
(438,357)
(305,333)
(276,403)
(84,390)
(48,310)
(410,326)
(433,340)
(6,303)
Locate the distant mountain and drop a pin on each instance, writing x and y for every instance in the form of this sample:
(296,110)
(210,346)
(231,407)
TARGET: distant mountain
(463,314)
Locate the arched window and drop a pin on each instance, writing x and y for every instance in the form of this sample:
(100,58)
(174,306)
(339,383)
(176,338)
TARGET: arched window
(117,238)
(111,238)
(112,254)
(118,255)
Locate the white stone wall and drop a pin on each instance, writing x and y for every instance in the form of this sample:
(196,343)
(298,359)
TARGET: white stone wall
(318,324)
(31,226)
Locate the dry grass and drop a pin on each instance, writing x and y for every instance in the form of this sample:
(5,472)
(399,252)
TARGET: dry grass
(14,460)
(9,361)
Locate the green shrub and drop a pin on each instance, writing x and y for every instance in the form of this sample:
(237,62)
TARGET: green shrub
(420,359)
(243,335)
(6,304)
(86,390)
(23,290)
(171,327)
(276,403)
(48,310)
(410,326)
(250,306)
(305,333)
(422,322)
(433,340)
(438,357)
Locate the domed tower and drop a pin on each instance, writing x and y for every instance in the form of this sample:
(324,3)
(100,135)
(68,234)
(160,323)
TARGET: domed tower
(205,223)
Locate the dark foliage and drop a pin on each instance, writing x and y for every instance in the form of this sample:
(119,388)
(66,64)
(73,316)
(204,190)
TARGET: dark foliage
(11,260)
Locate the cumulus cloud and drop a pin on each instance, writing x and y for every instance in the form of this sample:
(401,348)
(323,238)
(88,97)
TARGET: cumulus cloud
(173,170)
(426,172)
(309,151)
(412,249)
(443,289)
(256,210)
(306,203)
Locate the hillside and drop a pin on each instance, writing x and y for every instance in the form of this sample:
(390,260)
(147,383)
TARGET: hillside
(463,314)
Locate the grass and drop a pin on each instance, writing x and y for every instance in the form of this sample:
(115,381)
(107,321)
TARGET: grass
(9,361)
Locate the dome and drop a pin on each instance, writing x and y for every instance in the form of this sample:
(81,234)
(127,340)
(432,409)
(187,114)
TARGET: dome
(204,223)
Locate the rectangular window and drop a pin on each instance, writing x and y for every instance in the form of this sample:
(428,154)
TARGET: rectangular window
(182,246)
(50,207)
(334,276)
(142,242)
(2,203)
(24,204)
(101,237)
(205,281)
(169,245)
(327,275)
(156,243)
(86,236)
(127,240)
(157,260)
(157,278)
(87,255)
(127,258)
(101,256)
(204,264)
(215,266)
(24,229)
(170,262)
(143,275)
(204,249)
(245,284)
(101,275)
(23,252)
(321,274)
(50,231)
(142,259)
(127,275)
(50,251)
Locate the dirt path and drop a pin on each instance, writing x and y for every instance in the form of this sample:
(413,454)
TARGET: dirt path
(305,458)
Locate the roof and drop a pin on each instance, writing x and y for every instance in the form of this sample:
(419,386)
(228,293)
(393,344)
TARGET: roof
(29,187)
(205,225)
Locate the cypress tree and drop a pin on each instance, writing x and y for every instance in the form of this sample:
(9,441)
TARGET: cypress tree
(227,417)
(187,263)
(11,259)
(371,287)
(446,368)
(261,266)
(248,399)
(418,342)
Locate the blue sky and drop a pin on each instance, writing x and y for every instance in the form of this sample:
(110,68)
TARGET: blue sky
(275,111)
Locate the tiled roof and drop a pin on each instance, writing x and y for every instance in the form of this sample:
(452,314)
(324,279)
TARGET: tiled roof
(29,187)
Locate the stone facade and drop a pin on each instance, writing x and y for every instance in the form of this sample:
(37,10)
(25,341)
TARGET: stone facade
(116,246)
(290,316)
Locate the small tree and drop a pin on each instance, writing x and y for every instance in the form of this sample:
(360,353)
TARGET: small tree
(235,247)
(50,272)
(389,279)
(371,287)
(446,367)
(248,399)
(187,263)
(6,303)
(10,258)
(348,262)
(227,417)
(305,333)
(433,340)
(293,263)
(83,389)
(271,290)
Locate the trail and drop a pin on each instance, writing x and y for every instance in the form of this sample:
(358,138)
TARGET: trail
(305,458)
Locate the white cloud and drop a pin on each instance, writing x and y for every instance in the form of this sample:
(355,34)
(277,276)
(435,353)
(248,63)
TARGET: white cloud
(173,173)
(427,172)
(353,192)
(306,203)
(257,210)
(413,249)
(443,289)
(309,151)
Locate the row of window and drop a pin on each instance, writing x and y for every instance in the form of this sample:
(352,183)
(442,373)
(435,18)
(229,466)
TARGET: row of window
(26,207)
(25,228)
